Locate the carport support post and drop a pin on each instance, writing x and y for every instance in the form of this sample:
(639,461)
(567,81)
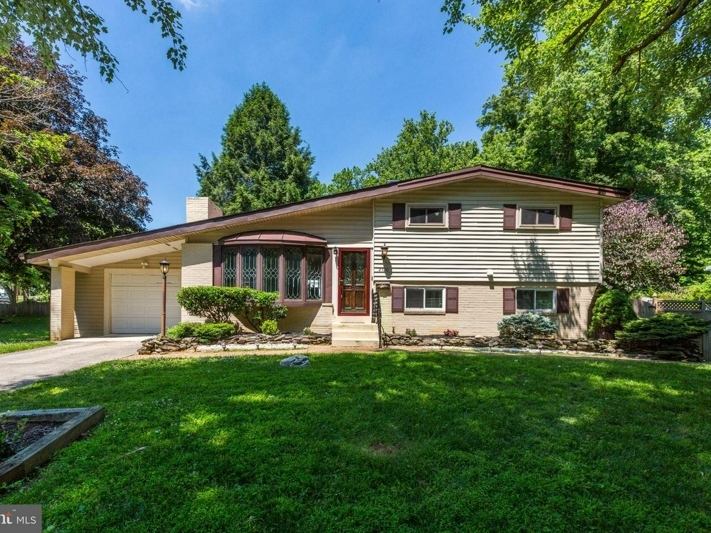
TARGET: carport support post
(61,304)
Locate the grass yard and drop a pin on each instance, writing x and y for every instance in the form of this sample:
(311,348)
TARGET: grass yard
(385,442)
(23,332)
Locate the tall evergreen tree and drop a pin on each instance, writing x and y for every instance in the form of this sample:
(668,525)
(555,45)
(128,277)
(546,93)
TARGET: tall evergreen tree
(263,162)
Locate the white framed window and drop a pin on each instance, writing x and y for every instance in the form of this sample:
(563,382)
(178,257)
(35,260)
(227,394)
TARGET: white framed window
(424,299)
(536,300)
(538,217)
(427,215)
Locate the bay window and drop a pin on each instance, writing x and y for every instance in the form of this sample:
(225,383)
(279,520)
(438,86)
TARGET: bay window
(295,272)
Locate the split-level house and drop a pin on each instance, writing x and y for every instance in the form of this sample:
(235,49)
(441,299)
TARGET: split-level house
(457,251)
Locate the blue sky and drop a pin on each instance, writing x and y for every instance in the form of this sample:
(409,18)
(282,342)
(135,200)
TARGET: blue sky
(348,71)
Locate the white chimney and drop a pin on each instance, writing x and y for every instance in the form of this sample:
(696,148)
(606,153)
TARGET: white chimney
(200,208)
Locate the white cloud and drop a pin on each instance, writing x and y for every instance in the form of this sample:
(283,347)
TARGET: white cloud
(192,4)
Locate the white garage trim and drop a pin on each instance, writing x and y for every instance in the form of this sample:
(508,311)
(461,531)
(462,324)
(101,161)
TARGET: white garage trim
(142,285)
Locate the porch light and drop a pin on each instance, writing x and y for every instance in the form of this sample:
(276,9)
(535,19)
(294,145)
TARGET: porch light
(384,249)
(164,267)
(144,263)
(335,252)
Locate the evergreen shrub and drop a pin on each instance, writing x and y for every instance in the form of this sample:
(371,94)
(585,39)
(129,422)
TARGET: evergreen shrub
(611,311)
(208,332)
(219,304)
(525,326)
(270,327)
(666,329)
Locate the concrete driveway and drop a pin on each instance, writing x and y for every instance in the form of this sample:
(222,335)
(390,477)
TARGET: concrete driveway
(18,369)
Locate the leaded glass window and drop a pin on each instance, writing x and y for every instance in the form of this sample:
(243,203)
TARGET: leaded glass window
(270,269)
(249,267)
(282,269)
(229,267)
(314,273)
(292,257)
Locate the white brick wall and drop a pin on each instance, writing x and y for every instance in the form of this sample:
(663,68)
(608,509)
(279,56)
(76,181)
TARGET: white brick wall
(200,208)
(481,307)
(196,271)
(61,306)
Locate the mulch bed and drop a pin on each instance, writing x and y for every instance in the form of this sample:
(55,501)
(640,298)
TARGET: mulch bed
(19,438)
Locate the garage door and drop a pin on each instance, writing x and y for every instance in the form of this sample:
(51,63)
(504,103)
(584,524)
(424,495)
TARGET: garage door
(136,302)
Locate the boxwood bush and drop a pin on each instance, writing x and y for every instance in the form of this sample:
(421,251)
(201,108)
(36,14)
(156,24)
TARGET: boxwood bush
(525,326)
(208,332)
(220,304)
(666,329)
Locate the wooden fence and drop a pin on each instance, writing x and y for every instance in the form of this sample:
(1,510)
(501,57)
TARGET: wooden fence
(27,308)
(648,307)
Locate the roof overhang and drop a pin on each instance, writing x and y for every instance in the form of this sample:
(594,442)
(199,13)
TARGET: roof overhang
(164,240)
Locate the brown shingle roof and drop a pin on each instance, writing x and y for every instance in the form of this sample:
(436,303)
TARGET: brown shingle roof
(180,231)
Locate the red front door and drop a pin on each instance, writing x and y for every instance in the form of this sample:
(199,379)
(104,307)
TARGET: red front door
(353,282)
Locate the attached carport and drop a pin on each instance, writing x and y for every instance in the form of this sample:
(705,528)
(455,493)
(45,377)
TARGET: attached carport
(120,291)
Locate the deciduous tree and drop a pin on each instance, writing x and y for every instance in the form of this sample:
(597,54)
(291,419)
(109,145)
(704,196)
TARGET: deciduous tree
(76,25)
(658,48)
(422,148)
(641,250)
(62,182)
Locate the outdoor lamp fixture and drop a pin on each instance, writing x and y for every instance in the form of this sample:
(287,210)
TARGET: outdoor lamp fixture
(164,268)
(490,273)
(335,252)
(384,249)
(144,263)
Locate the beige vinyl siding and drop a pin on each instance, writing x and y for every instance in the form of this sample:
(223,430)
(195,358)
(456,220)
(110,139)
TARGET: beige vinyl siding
(344,226)
(481,309)
(442,255)
(90,292)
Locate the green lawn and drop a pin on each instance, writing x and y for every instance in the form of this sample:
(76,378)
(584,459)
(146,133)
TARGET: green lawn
(23,332)
(387,442)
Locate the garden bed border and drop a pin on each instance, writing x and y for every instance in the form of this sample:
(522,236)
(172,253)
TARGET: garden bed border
(75,422)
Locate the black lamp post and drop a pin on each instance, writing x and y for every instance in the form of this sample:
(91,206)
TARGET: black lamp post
(164,268)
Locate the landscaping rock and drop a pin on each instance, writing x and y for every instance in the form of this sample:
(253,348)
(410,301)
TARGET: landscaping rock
(608,347)
(295,361)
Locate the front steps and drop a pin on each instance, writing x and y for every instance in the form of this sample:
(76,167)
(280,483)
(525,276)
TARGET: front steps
(354,335)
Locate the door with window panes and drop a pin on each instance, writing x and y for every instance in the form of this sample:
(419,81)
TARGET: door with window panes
(353,281)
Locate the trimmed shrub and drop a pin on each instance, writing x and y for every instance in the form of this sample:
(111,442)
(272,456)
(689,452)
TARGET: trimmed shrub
(182,330)
(611,311)
(210,332)
(260,306)
(215,304)
(525,326)
(207,332)
(666,329)
(219,304)
(270,327)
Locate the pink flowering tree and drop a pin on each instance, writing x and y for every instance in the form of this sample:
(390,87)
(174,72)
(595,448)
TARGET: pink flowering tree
(642,250)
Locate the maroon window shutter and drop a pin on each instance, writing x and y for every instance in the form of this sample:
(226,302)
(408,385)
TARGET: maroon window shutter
(398,300)
(217,265)
(565,222)
(452,300)
(563,300)
(455,216)
(509,301)
(509,216)
(398,216)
